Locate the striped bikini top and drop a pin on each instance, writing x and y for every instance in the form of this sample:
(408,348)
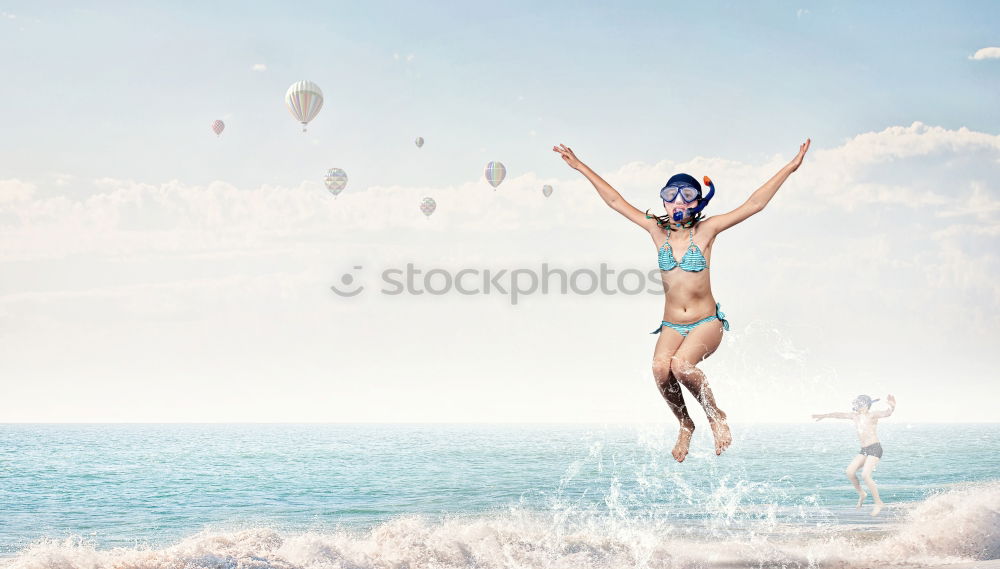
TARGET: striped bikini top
(693,260)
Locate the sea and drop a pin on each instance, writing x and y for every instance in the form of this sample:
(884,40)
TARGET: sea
(409,496)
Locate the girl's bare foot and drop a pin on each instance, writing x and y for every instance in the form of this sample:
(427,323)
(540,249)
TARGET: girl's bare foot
(861,499)
(720,430)
(878,507)
(683,442)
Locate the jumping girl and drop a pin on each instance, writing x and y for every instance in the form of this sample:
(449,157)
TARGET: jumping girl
(692,322)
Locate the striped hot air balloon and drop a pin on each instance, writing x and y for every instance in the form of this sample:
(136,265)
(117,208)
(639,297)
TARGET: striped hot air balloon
(218,127)
(495,173)
(304,100)
(428,205)
(336,180)
(547,190)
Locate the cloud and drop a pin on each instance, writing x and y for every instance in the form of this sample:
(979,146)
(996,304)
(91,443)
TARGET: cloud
(903,181)
(259,67)
(174,298)
(956,267)
(916,166)
(801,12)
(986,53)
(114,217)
(918,139)
(60,179)
(15,191)
(980,204)
(888,235)
(8,15)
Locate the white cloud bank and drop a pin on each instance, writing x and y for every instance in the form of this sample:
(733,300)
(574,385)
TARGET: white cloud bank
(900,187)
(879,252)
(950,173)
(15,191)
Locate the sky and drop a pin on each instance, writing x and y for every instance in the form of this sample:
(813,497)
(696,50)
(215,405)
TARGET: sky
(153,271)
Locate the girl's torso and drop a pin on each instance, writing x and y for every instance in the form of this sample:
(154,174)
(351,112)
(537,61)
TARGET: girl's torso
(684,258)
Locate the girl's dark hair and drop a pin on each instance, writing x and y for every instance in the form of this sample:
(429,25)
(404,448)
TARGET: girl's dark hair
(664,220)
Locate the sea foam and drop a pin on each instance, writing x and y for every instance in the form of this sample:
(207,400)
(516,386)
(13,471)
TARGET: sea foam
(959,525)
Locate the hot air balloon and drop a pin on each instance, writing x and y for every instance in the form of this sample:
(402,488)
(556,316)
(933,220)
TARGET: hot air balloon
(336,180)
(495,173)
(428,205)
(218,127)
(304,100)
(547,190)
(419,142)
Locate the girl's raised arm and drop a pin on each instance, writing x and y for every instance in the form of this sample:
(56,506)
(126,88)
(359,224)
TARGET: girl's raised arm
(760,197)
(604,189)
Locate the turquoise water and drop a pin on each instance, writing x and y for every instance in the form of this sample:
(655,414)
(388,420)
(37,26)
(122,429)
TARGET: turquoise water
(580,495)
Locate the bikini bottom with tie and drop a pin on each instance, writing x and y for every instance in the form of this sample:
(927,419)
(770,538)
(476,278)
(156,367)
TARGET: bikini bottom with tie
(685,329)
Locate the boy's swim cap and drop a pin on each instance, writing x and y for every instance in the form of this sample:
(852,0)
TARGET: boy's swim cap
(862,401)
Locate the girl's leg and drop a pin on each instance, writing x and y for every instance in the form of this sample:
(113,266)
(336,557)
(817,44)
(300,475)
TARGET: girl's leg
(851,472)
(699,344)
(870,465)
(666,345)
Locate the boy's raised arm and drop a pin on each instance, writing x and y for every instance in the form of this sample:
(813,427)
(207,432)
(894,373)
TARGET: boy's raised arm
(832,416)
(892,407)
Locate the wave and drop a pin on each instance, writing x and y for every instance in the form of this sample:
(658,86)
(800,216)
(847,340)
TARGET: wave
(959,525)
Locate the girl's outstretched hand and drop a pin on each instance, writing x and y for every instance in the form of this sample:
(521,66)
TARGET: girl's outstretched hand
(568,156)
(797,161)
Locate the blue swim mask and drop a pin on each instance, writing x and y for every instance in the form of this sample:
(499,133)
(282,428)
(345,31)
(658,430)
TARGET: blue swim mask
(687,192)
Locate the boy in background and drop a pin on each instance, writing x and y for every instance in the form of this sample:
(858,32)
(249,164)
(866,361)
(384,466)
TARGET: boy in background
(865,421)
